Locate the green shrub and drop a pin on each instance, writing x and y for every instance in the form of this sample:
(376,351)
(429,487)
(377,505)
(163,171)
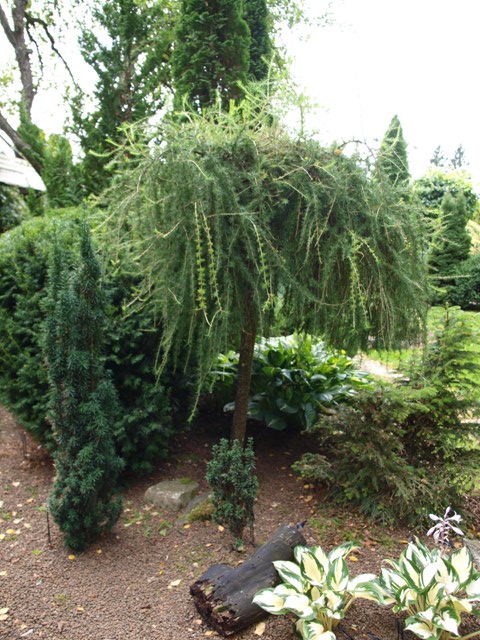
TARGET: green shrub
(83,405)
(131,340)
(293,379)
(406,449)
(13,209)
(234,487)
(466,289)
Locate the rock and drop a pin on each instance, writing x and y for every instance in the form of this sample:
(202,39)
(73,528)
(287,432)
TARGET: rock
(200,508)
(173,495)
(474,547)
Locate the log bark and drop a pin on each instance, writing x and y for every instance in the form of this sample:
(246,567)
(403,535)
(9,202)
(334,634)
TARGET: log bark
(223,595)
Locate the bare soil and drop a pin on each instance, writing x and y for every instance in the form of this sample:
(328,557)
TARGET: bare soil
(134,583)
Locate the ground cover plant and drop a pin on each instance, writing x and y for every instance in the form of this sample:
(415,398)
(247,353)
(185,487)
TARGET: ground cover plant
(293,379)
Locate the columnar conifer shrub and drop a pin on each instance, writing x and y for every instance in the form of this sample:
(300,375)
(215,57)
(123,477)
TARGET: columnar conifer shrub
(234,486)
(83,402)
(131,334)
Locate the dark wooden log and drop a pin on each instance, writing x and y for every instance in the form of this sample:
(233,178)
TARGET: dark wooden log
(223,595)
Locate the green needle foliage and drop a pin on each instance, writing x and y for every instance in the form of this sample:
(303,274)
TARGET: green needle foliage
(229,210)
(211,53)
(392,162)
(83,403)
(234,487)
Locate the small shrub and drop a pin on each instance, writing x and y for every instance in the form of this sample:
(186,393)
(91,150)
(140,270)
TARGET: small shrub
(405,448)
(293,379)
(234,486)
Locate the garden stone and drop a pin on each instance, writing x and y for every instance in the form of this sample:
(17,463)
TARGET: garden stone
(173,495)
(474,547)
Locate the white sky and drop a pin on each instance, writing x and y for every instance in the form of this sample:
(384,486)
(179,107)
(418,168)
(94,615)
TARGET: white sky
(418,59)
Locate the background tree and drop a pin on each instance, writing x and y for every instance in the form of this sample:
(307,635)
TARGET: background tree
(392,161)
(230,210)
(59,173)
(452,246)
(129,47)
(83,403)
(212,52)
(432,188)
(259,22)
(29,29)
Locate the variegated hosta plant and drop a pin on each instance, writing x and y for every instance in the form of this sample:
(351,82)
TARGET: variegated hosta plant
(318,590)
(434,590)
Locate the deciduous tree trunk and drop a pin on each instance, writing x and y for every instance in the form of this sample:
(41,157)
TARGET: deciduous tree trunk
(223,595)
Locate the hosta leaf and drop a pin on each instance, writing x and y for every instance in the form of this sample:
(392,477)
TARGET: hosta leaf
(271,602)
(473,588)
(312,569)
(462,564)
(299,604)
(434,594)
(421,629)
(445,620)
(428,574)
(315,631)
(342,550)
(290,573)
(460,605)
(337,576)
(410,573)
(322,558)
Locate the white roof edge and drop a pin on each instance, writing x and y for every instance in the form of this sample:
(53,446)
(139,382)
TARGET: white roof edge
(19,173)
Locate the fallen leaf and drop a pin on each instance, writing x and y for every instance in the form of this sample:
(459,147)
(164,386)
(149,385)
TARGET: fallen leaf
(259,629)
(80,609)
(17,520)
(11,532)
(209,633)
(4,611)
(98,551)
(220,528)
(403,541)
(3,617)
(15,484)
(209,544)
(71,557)
(2,536)
(37,552)
(186,526)
(175,583)
(3,573)
(308,498)
(27,525)
(353,558)
(198,621)
(1,504)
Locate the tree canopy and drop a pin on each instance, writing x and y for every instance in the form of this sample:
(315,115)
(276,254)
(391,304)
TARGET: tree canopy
(230,212)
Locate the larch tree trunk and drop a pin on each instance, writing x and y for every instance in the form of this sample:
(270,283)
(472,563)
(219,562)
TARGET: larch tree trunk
(247,346)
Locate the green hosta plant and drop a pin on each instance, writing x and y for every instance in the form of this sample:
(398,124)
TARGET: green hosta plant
(293,379)
(434,590)
(317,589)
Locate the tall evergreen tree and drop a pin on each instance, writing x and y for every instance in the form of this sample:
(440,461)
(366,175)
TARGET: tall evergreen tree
(392,162)
(211,53)
(258,19)
(134,75)
(452,246)
(83,402)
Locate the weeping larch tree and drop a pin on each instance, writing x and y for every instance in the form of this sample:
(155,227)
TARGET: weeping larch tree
(230,212)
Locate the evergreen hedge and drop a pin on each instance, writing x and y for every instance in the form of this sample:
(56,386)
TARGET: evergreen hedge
(131,340)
